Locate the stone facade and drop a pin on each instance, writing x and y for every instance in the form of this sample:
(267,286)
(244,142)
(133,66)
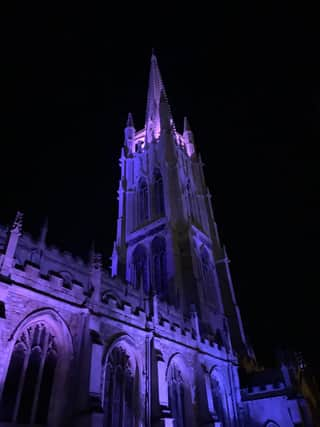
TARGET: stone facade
(159,341)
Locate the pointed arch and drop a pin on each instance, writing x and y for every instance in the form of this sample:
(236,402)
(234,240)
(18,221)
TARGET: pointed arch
(190,200)
(206,265)
(38,364)
(208,278)
(219,396)
(140,268)
(143,201)
(121,382)
(179,389)
(159,205)
(159,266)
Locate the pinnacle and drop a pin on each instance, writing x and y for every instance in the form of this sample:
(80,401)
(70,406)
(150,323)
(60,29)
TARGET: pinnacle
(44,231)
(187,127)
(130,121)
(153,53)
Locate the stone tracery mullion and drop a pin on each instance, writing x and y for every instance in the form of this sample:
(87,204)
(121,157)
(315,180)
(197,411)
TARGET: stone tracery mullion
(117,397)
(40,374)
(23,374)
(31,338)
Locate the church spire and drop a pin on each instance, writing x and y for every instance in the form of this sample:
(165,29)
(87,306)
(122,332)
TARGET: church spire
(156,88)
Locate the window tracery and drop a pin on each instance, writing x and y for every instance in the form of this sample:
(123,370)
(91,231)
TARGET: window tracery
(143,201)
(177,397)
(158,194)
(30,377)
(158,249)
(217,396)
(119,408)
(140,271)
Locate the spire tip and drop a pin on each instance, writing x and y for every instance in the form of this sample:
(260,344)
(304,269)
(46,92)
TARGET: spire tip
(130,121)
(186,125)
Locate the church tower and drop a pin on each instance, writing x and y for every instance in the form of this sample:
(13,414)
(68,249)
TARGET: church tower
(167,240)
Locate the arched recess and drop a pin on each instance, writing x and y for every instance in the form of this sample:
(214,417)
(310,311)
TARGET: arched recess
(179,391)
(143,201)
(271,424)
(208,276)
(158,194)
(121,383)
(159,266)
(37,370)
(219,396)
(140,268)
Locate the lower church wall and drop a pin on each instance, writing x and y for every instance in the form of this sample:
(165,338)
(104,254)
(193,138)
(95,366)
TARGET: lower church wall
(278,411)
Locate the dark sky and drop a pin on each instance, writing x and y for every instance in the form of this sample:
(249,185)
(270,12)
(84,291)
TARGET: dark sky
(252,94)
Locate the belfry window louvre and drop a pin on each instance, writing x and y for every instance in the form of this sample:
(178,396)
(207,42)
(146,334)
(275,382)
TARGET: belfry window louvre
(143,201)
(29,381)
(140,270)
(207,273)
(158,194)
(159,262)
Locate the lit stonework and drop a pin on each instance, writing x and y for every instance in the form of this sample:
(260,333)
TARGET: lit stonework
(158,341)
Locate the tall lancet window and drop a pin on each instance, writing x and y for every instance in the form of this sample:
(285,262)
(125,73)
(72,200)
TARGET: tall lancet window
(190,201)
(218,399)
(159,264)
(208,276)
(28,386)
(158,194)
(140,268)
(177,397)
(206,265)
(143,201)
(119,405)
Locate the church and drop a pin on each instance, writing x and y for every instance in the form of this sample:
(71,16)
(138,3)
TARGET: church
(155,340)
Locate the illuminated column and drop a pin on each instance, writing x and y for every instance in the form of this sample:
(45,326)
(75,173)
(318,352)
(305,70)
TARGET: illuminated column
(15,233)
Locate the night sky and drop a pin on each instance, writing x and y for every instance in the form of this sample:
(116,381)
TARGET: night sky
(252,95)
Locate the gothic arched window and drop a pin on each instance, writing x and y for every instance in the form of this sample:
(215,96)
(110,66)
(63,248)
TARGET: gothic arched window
(190,200)
(177,397)
(28,386)
(158,194)
(218,398)
(206,265)
(119,407)
(159,265)
(208,276)
(143,201)
(140,270)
